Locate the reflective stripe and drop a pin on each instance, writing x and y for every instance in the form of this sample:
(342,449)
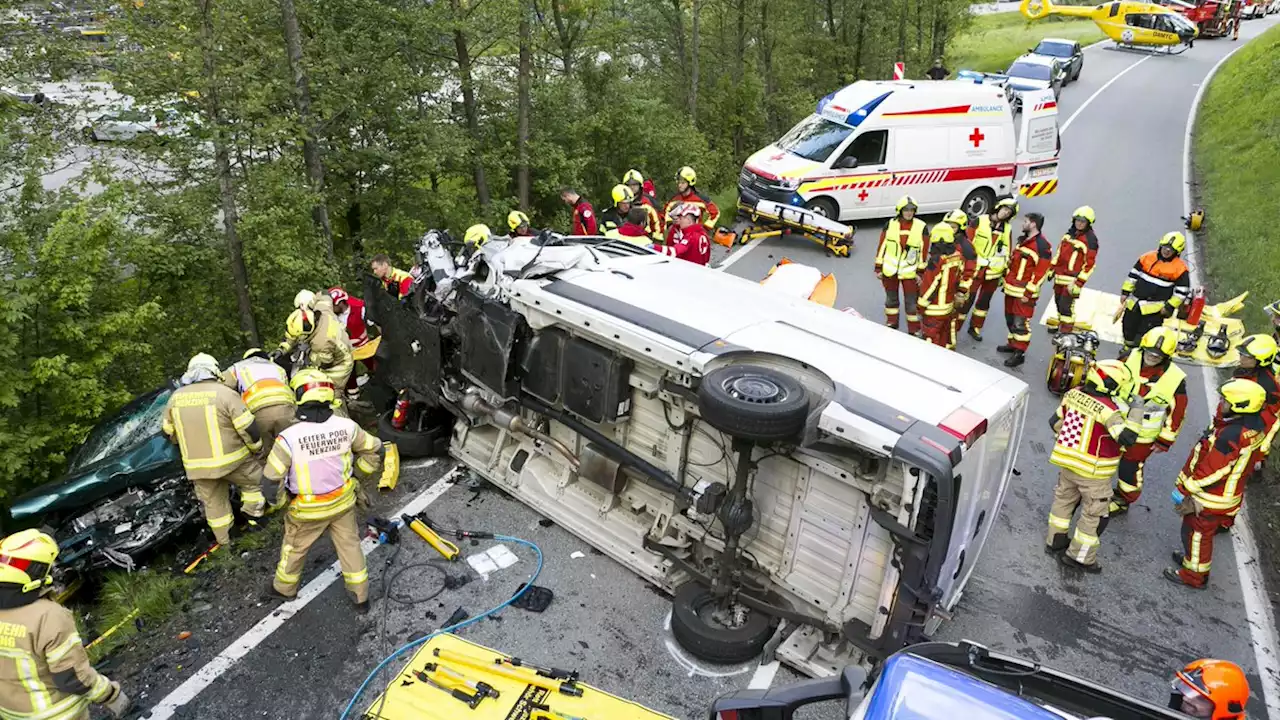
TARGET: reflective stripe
(1085,538)
(53,656)
(1190,562)
(1059,523)
(322,507)
(70,707)
(1126,487)
(217,523)
(284,577)
(893,259)
(356,578)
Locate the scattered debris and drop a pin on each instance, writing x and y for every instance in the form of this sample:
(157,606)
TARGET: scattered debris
(492,560)
(546,522)
(536,599)
(458,616)
(184,634)
(576,554)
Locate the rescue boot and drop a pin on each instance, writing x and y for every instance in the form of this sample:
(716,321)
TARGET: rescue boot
(1118,506)
(1177,557)
(1093,568)
(975,333)
(1006,349)
(1172,575)
(1016,359)
(362,608)
(272,592)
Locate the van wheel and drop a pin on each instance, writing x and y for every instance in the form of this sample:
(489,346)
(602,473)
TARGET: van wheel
(432,440)
(698,629)
(979,202)
(826,207)
(753,403)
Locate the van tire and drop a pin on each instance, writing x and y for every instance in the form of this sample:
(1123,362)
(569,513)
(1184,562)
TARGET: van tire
(979,202)
(826,207)
(710,641)
(753,403)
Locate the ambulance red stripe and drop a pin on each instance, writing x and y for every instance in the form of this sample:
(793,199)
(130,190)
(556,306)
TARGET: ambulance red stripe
(954,110)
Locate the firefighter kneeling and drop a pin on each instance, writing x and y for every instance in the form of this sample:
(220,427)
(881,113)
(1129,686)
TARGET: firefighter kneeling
(49,675)
(1092,431)
(1211,485)
(313,458)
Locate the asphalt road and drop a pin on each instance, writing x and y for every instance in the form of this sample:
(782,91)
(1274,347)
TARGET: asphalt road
(1127,627)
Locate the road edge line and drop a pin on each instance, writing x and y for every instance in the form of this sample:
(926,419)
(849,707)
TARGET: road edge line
(1253,589)
(253,637)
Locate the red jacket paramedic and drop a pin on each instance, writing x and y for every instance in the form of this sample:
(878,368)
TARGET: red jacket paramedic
(584,216)
(350,312)
(689,240)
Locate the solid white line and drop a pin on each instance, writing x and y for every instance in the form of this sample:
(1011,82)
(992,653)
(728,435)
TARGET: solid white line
(737,255)
(763,676)
(1257,607)
(1099,91)
(243,645)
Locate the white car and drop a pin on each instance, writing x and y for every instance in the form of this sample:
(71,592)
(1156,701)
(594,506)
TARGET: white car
(1252,9)
(758,455)
(121,125)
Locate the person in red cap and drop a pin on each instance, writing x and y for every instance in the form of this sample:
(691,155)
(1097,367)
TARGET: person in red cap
(350,312)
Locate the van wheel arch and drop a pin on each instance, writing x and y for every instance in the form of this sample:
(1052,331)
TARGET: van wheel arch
(825,206)
(979,201)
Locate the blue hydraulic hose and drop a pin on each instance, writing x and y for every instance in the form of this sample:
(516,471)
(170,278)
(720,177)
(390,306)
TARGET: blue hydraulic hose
(409,646)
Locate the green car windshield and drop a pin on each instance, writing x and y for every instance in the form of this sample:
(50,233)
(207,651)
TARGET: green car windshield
(133,424)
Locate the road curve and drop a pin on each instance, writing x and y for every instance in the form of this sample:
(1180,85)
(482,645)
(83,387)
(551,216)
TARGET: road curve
(1128,627)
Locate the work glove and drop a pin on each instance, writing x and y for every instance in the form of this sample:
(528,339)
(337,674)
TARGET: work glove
(1119,312)
(117,703)
(1075,291)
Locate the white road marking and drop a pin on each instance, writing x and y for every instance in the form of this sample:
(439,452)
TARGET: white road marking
(1257,606)
(243,645)
(763,676)
(1096,93)
(737,255)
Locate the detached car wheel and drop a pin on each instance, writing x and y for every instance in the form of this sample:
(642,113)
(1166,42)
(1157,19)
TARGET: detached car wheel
(413,443)
(696,627)
(753,403)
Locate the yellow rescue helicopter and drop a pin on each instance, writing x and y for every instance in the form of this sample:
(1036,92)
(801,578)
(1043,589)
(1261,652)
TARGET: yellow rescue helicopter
(1132,25)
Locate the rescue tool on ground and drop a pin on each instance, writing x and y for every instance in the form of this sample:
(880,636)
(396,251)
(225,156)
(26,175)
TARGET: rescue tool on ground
(773,219)
(1073,353)
(1131,25)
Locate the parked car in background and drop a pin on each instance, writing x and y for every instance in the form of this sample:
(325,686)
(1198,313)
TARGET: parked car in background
(122,125)
(1068,52)
(1031,73)
(996,79)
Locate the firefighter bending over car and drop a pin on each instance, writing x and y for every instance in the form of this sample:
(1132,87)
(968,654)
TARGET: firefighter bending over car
(218,439)
(940,281)
(47,673)
(613,217)
(328,347)
(901,255)
(395,281)
(1092,431)
(1211,485)
(1157,286)
(313,458)
(1162,386)
(1028,268)
(518,222)
(264,387)
(993,241)
(1073,263)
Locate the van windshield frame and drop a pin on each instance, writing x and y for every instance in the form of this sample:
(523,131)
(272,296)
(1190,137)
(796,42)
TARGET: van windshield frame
(815,138)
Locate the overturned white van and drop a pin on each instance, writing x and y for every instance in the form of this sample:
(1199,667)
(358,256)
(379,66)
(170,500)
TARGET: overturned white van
(760,456)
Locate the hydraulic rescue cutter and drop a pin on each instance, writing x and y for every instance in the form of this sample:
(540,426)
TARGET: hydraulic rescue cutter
(772,219)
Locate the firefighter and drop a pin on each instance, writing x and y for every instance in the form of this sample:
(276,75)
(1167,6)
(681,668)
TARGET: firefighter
(1028,268)
(613,217)
(474,238)
(1208,688)
(584,216)
(1162,385)
(993,240)
(264,387)
(644,194)
(519,224)
(940,281)
(633,229)
(689,239)
(329,348)
(1211,485)
(1073,263)
(48,674)
(686,179)
(1091,433)
(901,255)
(313,459)
(218,438)
(1157,286)
(1258,354)
(395,281)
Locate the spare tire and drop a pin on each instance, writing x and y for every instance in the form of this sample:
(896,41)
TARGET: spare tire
(698,632)
(753,403)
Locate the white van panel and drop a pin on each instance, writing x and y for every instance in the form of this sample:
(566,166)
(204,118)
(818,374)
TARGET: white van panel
(980,144)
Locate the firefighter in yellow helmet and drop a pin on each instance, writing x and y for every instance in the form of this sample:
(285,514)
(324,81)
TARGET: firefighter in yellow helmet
(218,438)
(645,197)
(1162,386)
(314,460)
(328,347)
(264,387)
(1091,432)
(615,215)
(940,281)
(993,243)
(686,179)
(1158,284)
(901,255)
(47,673)
(474,238)
(1073,263)
(1211,689)
(519,224)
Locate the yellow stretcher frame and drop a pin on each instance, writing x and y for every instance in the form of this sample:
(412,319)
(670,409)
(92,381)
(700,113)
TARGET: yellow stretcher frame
(408,697)
(774,226)
(367,350)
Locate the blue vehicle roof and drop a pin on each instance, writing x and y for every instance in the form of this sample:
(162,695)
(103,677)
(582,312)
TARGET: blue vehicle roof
(913,688)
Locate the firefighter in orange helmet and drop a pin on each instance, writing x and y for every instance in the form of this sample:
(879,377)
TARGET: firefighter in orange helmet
(1208,688)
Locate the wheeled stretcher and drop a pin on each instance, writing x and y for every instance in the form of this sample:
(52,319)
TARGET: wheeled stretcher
(772,219)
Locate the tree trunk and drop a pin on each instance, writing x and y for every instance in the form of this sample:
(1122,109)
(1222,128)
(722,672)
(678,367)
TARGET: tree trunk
(565,38)
(858,41)
(766,67)
(523,82)
(226,183)
(469,106)
(831,18)
(695,45)
(677,31)
(302,104)
(739,71)
(902,31)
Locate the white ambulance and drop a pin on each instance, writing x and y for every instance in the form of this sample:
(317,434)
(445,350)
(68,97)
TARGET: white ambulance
(948,144)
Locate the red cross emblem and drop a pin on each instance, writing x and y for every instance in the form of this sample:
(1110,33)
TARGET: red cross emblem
(977,137)
(862,196)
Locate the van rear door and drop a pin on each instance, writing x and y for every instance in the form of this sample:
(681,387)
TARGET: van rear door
(1038,145)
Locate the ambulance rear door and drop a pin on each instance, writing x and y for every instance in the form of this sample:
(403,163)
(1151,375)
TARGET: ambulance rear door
(1038,145)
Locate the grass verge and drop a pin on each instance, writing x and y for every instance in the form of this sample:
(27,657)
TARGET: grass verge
(154,594)
(992,42)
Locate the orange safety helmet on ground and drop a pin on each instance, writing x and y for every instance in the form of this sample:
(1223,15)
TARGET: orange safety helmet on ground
(1208,688)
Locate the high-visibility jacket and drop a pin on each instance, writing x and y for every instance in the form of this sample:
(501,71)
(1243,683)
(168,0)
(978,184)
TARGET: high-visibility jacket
(631,233)
(710,213)
(330,349)
(1270,382)
(45,672)
(260,382)
(213,428)
(1028,267)
(904,249)
(1164,390)
(1075,258)
(991,241)
(1155,285)
(1219,465)
(654,225)
(397,283)
(314,459)
(940,281)
(1088,430)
